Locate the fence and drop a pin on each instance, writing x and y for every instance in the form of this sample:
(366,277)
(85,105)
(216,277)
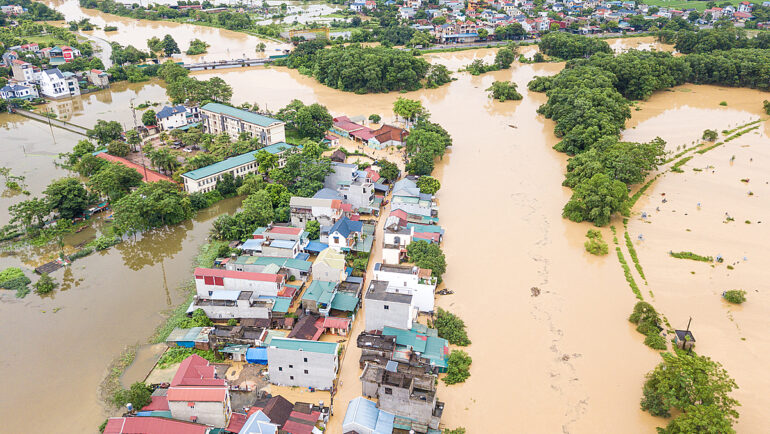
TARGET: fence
(77,129)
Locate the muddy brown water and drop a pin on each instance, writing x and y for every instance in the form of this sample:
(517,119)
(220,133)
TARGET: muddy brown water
(566,360)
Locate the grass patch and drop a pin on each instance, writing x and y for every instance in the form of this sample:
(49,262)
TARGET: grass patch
(627,272)
(633,199)
(595,245)
(177,355)
(691,256)
(647,323)
(632,252)
(735,296)
(677,166)
(683,4)
(739,127)
(111,383)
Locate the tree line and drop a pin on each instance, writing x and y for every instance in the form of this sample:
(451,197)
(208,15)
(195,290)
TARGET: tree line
(589,102)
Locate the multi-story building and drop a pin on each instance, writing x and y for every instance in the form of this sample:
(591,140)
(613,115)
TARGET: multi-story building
(325,211)
(220,118)
(24,71)
(409,279)
(171,117)
(302,363)
(55,84)
(197,395)
(226,294)
(355,186)
(387,307)
(205,179)
(17,91)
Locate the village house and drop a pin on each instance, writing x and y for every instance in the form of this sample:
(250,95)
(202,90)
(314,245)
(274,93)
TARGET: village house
(419,342)
(329,266)
(17,91)
(54,84)
(225,294)
(388,307)
(98,78)
(205,178)
(323,297)
(363,417)
(302,363)
(12,10)
(219,118)
(325,211)
(387,135)
(409,279)
(344,234)
(153,425)
(407,197)
(171,117)
(298,268)
(345,127)
(197,395)
(411,397)
(24,71)
(396,237)
(352,184)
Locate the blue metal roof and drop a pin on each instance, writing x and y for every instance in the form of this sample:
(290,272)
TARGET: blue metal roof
(282,244)
(345,226)
(316,247)
(167,111)
(257,355)
(252,244)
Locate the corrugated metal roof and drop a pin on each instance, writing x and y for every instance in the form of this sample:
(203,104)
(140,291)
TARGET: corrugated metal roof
(344,302)
(197,394)
(243,115)
(221,166)
(304,345)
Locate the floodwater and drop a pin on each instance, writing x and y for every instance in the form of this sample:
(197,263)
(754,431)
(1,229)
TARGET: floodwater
(734,335)
(224,44)
(566,360)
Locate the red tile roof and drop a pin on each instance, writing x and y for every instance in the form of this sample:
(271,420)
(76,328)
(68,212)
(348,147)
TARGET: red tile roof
(344,123)
(152,425)
(159,403)
(294,427)
(237,420)
(200,273)
(373,175)
(363,133)
(337,323)
(197,394)
(284,230)
(312,417)
(147,174)
(195,371)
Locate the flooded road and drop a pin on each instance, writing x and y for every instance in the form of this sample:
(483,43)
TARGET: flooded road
(566,360)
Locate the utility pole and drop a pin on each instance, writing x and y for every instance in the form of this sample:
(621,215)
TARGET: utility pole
(48,110)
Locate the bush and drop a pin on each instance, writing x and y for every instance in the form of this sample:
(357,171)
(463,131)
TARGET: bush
(691,255)
(504,91)
(458,369)
(14,279)
(452,328)
(45,284)
(735,296)
(177,355)
(232,322)
(710,135)
(595,244)
(139,395)
(656,342)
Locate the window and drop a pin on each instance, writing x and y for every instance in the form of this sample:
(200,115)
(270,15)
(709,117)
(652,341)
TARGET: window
(305,359)
(386,307)
(305,371)
(280,368)
(191,404)
(291,366)
(291,377)
(388,391)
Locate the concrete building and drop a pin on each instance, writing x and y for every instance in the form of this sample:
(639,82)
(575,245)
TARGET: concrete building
(153,425)
(225,294)
(298,268)
(420,344)
(302,363)
(171,117)
(325,211)
(54,84)
(220,118)
(394,241)
(407,197)
(205,179)
(17,91)
(411,280)
(386,307)
(408,396)
(329,266)
(23,71)
(388,135)
(99,78)
(344,234)
(197,395)
(352,184)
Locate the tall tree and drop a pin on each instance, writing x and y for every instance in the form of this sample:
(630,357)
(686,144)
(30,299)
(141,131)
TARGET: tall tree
(170,46)
(67,196)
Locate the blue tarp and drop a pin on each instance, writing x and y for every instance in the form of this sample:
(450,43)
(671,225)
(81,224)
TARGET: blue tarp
(316,247)
(185,344)
(257,355)
(302,256)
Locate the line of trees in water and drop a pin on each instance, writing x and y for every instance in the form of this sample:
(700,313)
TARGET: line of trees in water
(589,101)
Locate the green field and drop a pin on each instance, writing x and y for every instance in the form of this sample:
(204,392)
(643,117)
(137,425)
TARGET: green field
(681,5)
(45,40)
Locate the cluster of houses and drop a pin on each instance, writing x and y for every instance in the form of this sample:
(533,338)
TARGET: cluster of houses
(286,301)
(29,81)
(470,21)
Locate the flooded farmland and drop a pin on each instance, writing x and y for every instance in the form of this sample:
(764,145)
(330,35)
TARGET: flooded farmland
(566,360)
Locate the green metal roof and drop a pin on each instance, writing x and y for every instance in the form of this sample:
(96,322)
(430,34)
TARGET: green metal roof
(303,345)
(222,166)
(274,334)
(317,289)
(344,302)
(432,347)
(277,148)
(281,304)
(246,116)
(297,264)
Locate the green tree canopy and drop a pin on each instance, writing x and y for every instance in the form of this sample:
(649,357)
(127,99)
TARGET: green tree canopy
(428,184)
(152,205)
(105,132)
(313,121)
(596,199)
(68,197)
(428,256)
(115,180)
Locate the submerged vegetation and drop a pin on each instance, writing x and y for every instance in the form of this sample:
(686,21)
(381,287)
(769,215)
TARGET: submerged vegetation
(451,327)
(647,323)
(735,296)
(595,245)
(458,369)
(692,256)
(504,91)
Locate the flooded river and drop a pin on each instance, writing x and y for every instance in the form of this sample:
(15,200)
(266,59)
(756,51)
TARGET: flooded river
(566,360)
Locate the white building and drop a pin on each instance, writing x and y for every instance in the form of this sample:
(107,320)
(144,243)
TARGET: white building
(394,242)
(220,118)
(205,179)
(226,294)
(409,279)
(325,211)
(17,91)
(197,395)
(24,71)
(387,307)
(171,117)
(302,363)
(55,84)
